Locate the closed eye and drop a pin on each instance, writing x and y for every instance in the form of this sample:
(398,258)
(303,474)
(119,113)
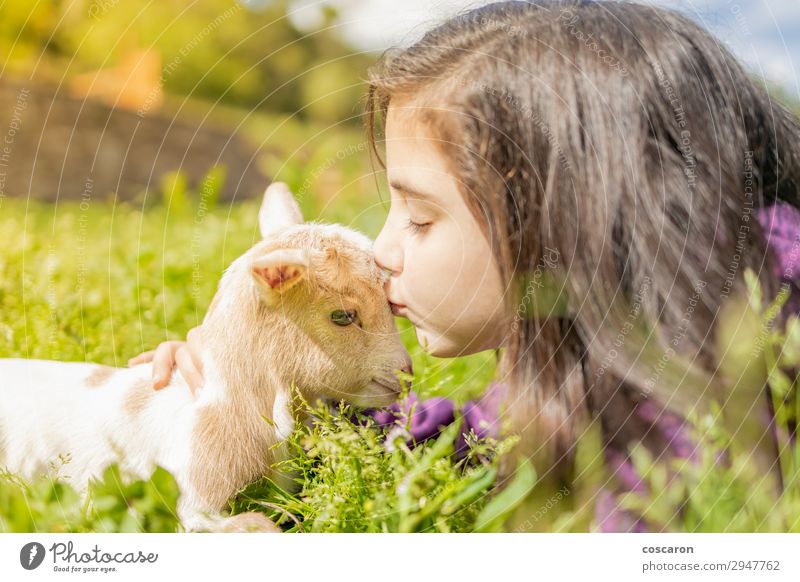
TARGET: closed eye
(417,227)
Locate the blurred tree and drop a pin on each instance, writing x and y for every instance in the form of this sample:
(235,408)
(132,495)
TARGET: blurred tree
(244,54)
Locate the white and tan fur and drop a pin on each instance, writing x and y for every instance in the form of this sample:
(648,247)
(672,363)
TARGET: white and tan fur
(269,326)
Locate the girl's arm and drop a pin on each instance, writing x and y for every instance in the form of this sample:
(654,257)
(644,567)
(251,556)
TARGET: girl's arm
(185,354)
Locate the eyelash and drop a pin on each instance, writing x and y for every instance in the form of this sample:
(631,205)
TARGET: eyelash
(416,227)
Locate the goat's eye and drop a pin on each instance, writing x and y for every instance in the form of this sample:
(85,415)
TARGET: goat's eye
(344,317)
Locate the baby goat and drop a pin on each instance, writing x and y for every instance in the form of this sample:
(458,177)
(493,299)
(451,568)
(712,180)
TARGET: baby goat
(304,306)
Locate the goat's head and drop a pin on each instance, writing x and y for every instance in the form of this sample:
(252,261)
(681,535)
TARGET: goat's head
(321,296)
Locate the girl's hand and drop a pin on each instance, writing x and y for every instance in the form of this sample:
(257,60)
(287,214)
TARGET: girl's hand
(186,354)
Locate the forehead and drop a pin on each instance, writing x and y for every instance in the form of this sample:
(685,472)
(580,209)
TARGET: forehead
(356,266)
(416,165)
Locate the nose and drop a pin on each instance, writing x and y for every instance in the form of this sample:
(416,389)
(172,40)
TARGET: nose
(388,255)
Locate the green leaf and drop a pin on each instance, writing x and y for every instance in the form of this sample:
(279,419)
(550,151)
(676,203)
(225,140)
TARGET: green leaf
(491,517)
(211,188)
(790,352)
(754,294)
(780,383)
(174,189)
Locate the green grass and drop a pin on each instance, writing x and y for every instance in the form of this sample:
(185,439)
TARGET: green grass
(103,280)
(114,504)
(353,480)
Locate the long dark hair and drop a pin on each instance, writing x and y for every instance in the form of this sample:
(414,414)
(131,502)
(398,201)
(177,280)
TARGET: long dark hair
(624,147)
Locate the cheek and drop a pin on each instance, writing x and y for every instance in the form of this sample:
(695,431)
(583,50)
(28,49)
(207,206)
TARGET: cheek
(452,284)
(455,287)
(434,270)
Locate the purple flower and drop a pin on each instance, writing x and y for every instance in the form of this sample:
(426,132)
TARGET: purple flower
(424,419)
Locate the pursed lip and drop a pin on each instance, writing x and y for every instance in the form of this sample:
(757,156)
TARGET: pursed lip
(397,308)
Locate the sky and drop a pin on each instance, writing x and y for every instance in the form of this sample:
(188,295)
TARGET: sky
(764,34)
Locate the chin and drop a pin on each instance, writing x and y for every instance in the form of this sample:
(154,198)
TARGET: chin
(444,347)
(435,344)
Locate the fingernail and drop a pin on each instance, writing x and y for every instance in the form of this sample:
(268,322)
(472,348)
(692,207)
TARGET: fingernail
(156,379)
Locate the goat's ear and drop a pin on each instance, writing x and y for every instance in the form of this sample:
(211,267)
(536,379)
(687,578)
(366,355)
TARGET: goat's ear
(278,271)
(279,209)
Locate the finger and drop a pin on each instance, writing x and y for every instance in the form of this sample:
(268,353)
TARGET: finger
(163,362)
(141,358)
(190,373)
(194,343)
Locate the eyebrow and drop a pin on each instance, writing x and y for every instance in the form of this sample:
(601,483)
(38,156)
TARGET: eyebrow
(406,190)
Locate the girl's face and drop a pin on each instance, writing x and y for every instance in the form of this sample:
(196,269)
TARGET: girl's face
(444,277)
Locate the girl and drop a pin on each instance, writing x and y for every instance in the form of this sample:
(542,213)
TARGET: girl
(581,186)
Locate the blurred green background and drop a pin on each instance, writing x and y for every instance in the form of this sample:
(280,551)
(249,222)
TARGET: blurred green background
(125,93)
